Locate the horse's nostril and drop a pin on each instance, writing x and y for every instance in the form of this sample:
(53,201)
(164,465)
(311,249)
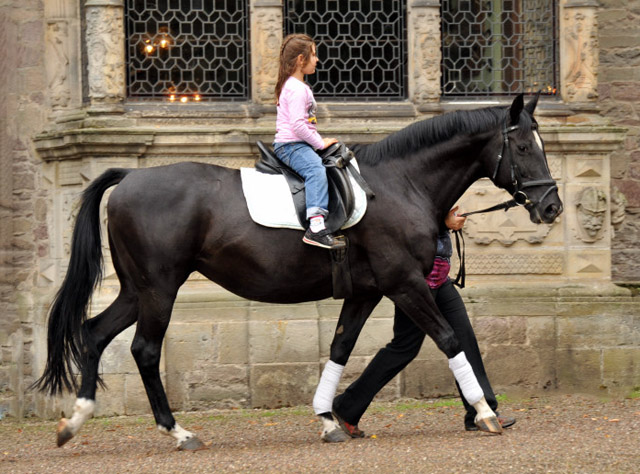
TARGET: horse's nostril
(552,210)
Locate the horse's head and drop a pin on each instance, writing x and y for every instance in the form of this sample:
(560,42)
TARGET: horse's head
(521,166)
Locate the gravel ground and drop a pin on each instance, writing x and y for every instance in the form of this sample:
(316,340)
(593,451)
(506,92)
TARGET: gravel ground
(558,434)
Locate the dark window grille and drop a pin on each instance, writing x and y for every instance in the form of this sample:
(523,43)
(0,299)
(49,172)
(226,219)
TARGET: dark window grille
(361,45)
(187,50)
(499,47)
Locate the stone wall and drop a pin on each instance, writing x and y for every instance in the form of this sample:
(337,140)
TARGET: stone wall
(24,209)
(619,30)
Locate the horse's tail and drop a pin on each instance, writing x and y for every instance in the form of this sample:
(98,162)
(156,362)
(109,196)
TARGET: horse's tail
(66,338)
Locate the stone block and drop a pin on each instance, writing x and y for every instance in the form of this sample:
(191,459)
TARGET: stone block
(135,396)
(541,332)
(595,331)
(232,342)
(110,401)
(283,341)
(189,346)
(514,366)
(117,357)
(375,334)
(426,379)
(621,370)
(278,385)
(273,312)
(578,370)
(216,387)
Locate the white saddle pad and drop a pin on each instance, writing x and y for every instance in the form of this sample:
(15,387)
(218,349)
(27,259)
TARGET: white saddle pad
(270,202)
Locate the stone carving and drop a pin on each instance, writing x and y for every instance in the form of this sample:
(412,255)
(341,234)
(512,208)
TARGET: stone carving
(105,52)
(57,63)
(592,207)
(581,41)
(426,54)
(504,227)
(511,264)
(618,207)
(268,49)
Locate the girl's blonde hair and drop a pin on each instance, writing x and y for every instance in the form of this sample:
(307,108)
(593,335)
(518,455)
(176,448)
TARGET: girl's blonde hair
(292,46)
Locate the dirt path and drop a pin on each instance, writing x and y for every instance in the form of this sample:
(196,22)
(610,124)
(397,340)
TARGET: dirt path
(555,434)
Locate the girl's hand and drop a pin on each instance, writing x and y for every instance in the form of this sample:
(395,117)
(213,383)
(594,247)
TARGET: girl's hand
(453,221)
(328,142)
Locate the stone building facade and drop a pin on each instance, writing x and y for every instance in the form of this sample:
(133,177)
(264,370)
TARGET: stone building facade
(542,298)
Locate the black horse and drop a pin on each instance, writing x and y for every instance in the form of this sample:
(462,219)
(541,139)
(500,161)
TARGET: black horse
(166,222)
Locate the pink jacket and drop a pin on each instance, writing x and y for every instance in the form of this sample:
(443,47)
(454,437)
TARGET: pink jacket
(296,119)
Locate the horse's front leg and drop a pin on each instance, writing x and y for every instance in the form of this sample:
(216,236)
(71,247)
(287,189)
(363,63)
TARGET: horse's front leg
(352,318)
(417,302)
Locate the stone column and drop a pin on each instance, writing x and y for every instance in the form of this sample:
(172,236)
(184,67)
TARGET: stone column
(62,58)
(105,38)
(424,51)
(579,50)
(266,38)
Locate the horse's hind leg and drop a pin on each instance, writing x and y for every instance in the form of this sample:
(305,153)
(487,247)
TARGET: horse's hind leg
(155,312)
(99,332)
(352,318)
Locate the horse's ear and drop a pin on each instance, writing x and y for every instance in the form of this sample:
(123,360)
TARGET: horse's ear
(516,108)
(531,106)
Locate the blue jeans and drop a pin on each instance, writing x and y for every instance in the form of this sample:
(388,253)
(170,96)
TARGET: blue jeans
(306,162)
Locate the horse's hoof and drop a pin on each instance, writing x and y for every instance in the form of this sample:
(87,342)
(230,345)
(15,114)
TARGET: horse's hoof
(335,436)
(64,433)
(489,425)
(191,444)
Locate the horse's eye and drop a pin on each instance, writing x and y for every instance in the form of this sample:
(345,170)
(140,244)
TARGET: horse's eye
(522,148)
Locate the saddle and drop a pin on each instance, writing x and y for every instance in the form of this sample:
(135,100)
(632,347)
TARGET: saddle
(337,161)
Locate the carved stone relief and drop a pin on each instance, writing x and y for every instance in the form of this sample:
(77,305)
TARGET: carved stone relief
(267,44)
(591,208)
(514,264)
(426,54)
(618,207)
(105,52)
(580,53)
(503,227)
(57,63)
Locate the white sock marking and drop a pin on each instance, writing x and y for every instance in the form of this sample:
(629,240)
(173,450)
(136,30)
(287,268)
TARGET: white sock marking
(82,411)
(178,433)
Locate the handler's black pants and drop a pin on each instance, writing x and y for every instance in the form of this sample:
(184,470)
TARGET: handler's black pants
(404,347)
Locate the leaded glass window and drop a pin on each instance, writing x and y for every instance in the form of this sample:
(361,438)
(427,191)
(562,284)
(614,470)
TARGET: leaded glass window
(187,50)
(361,45)
(496,47)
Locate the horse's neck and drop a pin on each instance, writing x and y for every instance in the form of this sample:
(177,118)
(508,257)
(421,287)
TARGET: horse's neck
(452,168)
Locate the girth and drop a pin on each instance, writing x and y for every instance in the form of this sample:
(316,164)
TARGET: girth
(336,160)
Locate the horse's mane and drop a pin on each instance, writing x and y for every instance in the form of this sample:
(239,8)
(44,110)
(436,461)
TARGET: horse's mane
(435,130)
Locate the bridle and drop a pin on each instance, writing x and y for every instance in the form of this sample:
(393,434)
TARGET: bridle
(519,196)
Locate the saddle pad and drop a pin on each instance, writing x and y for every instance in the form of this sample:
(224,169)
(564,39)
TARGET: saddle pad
(271,205)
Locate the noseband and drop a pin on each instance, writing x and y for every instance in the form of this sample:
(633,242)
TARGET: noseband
(520,198)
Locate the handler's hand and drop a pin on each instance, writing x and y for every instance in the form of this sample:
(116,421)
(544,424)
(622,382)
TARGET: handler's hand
(453,221)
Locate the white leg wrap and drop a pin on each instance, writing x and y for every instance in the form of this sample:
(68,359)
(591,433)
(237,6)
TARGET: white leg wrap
(82,411)
(467,380)
(178,433)
(323,399)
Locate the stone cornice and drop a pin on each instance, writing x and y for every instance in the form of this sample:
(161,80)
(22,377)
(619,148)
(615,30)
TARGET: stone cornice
(230,140)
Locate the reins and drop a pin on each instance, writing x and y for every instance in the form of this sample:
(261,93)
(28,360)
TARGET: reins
(520,198)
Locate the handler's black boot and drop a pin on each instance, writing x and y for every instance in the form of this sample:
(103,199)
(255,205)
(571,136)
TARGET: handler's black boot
(323,239)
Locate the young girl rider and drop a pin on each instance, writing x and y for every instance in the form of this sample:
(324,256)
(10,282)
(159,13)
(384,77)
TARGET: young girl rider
(297,137)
